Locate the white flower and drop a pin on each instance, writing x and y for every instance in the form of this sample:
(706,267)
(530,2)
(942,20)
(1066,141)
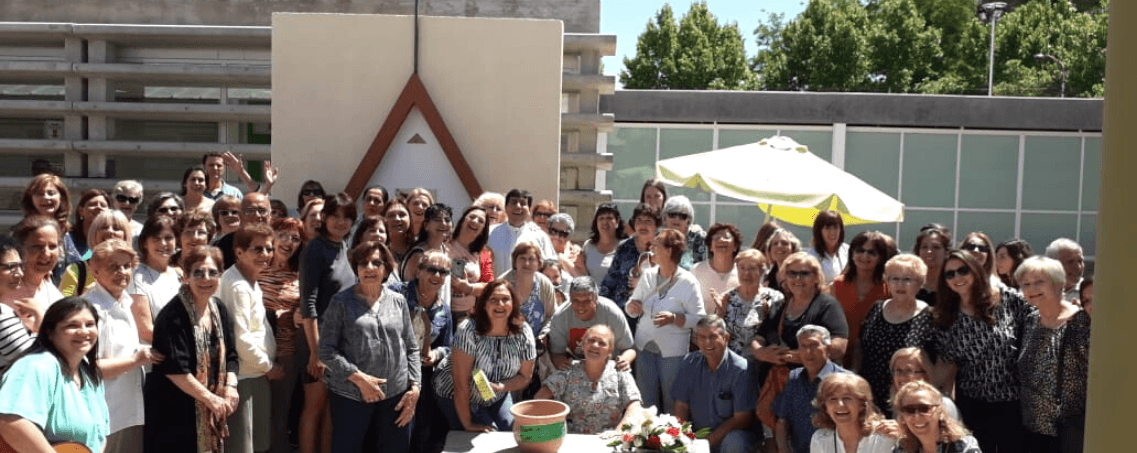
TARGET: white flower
(639,442)
(666,439)
(684,440)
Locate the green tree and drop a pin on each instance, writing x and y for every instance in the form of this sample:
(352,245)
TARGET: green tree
(1051,29)
(824,49)
(962,68)
(696,54)
(903,50)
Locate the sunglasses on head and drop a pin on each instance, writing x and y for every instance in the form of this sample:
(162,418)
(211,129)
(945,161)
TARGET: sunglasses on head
(914,409)
(125,199)
(961,271)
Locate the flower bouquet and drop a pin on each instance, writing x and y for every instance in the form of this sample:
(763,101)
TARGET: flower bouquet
(647,430)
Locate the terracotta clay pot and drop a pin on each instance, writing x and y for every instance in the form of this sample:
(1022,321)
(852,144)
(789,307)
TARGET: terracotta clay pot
(539,425)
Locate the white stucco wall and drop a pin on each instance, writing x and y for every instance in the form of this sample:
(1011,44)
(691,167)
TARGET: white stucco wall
(496,83)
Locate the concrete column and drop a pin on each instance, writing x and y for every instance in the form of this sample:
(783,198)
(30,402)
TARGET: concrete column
(99,89)
(73,91)
(1112,394)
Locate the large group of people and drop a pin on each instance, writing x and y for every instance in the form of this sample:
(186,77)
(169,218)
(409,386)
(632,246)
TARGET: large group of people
(224,320)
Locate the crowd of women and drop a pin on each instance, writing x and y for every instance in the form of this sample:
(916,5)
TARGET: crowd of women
(223,322)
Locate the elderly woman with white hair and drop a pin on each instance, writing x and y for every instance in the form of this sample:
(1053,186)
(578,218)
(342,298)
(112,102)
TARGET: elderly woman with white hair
(1069,253)
(126,196)
(678,214)
(893,324)
(1053,363)
(561,227)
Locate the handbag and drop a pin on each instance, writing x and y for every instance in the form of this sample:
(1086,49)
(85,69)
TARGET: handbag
(775,383)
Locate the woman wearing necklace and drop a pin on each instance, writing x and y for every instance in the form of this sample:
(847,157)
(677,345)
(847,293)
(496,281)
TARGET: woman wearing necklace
(155,282)
(191,393)
(437,227)
(434,331)
(599,397)
(847,421)
(670,299)
(716,274)
(1053,363)
(806,303)
(746,307)
(893,324)
(861,284)
(368,343)
(466,246)
(924,425)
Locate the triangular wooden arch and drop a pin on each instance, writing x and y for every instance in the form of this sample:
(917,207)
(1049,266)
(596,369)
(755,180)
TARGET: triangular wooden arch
(414,95)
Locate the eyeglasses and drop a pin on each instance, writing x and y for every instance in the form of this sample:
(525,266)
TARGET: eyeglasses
(960,271)
(921,409)
(798,274)
(542,215)
(226,212)
(12,267)
(202,274)
(312,192)
(908,372)
(677,215)
(439,271)
(125,199)
(170,210)
(288,238)
(981,248)
(897,281)
(870,252)
(262,249)
(257,211)
(558,233)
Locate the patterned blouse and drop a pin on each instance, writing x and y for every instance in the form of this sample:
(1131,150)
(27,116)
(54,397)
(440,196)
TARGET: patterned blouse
(593,411)
(987,354)
(281,289)
(744,317)
(880,339)
(499,357)
(615,284)
(696,248)
(1044,404)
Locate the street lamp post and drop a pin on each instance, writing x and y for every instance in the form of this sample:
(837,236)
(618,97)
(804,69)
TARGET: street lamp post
(1061,66)
(991,12)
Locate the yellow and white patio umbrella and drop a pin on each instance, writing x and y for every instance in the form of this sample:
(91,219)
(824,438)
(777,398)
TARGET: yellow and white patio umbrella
(786,181)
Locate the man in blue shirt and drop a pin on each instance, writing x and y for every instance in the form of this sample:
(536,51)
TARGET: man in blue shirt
(794,407)
(716,391)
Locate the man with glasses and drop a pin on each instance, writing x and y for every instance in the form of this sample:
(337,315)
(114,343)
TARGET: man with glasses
(679,214)
(567,327)
(517,228)
(794,407)
(127,197)
(255,210)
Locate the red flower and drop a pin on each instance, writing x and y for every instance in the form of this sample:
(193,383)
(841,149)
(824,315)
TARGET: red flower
(673,431)
(691,436)
(653,443)
(628,438)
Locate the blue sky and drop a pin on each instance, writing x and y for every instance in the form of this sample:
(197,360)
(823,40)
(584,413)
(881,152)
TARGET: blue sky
(628,18)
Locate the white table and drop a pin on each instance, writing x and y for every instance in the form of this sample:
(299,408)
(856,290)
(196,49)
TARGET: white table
(502,442)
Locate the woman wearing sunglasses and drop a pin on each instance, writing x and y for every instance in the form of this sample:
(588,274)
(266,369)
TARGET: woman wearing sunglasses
(924,425)
(978,329)
(571,256)
(189,395)
(861,283)
(979,245)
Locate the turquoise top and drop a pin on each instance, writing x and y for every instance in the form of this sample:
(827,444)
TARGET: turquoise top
(36,389)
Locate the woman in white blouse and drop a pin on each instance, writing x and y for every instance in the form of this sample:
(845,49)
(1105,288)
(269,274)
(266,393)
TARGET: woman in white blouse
(673,301)
(847,421)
